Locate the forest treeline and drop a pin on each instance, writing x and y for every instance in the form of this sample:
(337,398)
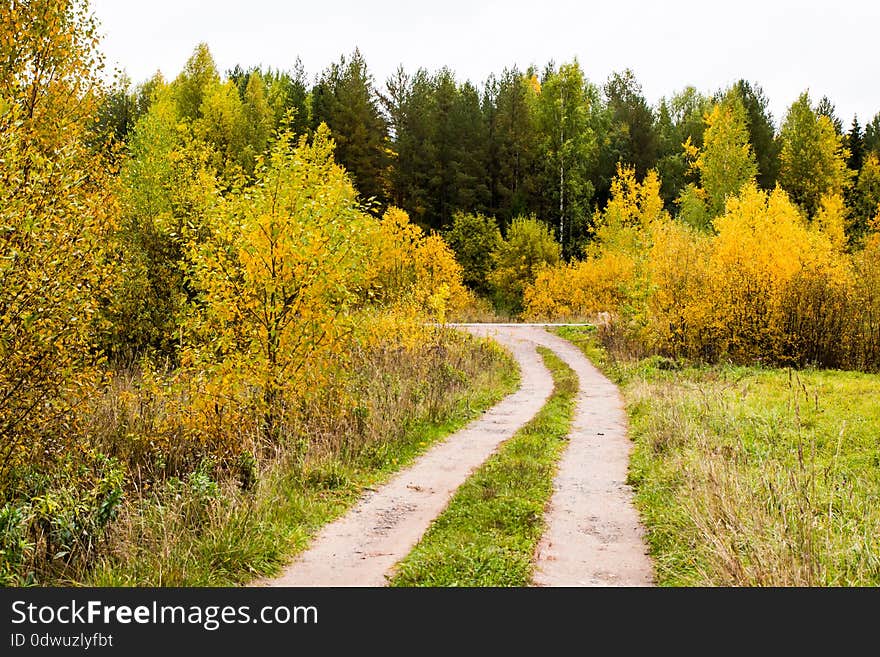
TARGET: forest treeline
(536,157)
(543,142)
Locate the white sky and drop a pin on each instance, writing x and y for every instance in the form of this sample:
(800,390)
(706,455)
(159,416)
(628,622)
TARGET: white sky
(786,46)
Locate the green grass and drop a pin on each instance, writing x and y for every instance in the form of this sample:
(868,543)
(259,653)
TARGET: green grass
(179,539)
(488,534)
(751,475)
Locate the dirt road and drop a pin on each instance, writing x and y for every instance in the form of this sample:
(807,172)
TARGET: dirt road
(593,534)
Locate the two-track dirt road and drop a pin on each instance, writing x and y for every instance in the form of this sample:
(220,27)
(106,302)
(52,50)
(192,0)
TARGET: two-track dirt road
(593,534)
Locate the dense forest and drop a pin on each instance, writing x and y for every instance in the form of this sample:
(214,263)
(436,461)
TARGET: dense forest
(203,276)
(537,142)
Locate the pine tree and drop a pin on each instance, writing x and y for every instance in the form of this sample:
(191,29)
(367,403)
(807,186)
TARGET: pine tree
(470,152)
(410,106)
(345,100)
(287,93)
(872,135)
(444,172)
(826,108)
(865,197)
(510,106)
(632,121)
(679,120)
(441,143)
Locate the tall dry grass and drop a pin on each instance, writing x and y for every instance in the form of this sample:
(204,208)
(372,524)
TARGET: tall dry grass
(163,506)
(754,478)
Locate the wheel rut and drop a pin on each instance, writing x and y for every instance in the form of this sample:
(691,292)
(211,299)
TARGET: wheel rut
(362,547)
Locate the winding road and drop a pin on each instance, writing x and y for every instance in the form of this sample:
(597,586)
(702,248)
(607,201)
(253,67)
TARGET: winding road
(593,536)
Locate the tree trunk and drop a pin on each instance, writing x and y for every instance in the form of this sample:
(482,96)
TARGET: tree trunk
(561,200)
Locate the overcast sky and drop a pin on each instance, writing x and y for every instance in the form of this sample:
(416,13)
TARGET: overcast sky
(829,47)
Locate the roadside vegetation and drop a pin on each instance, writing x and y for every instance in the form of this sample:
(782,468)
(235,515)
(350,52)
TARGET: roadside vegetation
(201,530)
(488,534)
(751,475)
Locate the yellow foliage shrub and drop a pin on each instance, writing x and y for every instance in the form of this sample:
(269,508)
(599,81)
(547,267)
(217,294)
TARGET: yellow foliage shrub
(865,303)
(767,285)
(408,267)
(831,220)
(276,277)
(611,275)
(759,246)
(581,289)
(749,292)
(677,268)
(632,204)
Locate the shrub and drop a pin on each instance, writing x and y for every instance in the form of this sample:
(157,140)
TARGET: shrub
(59,519)
(408,268)
(611,277)
(528,248)
(474,238)
(581,289)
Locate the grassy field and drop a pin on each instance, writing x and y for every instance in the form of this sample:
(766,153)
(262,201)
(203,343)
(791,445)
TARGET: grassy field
(200,532)
(488,534)
(753,476)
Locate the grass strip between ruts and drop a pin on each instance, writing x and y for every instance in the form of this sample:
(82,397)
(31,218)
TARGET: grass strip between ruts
(488,534)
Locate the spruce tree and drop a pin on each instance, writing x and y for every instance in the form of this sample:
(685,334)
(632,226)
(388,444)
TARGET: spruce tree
(872,135)
(855,142)
(633,120)
(510,107)
(345,100)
